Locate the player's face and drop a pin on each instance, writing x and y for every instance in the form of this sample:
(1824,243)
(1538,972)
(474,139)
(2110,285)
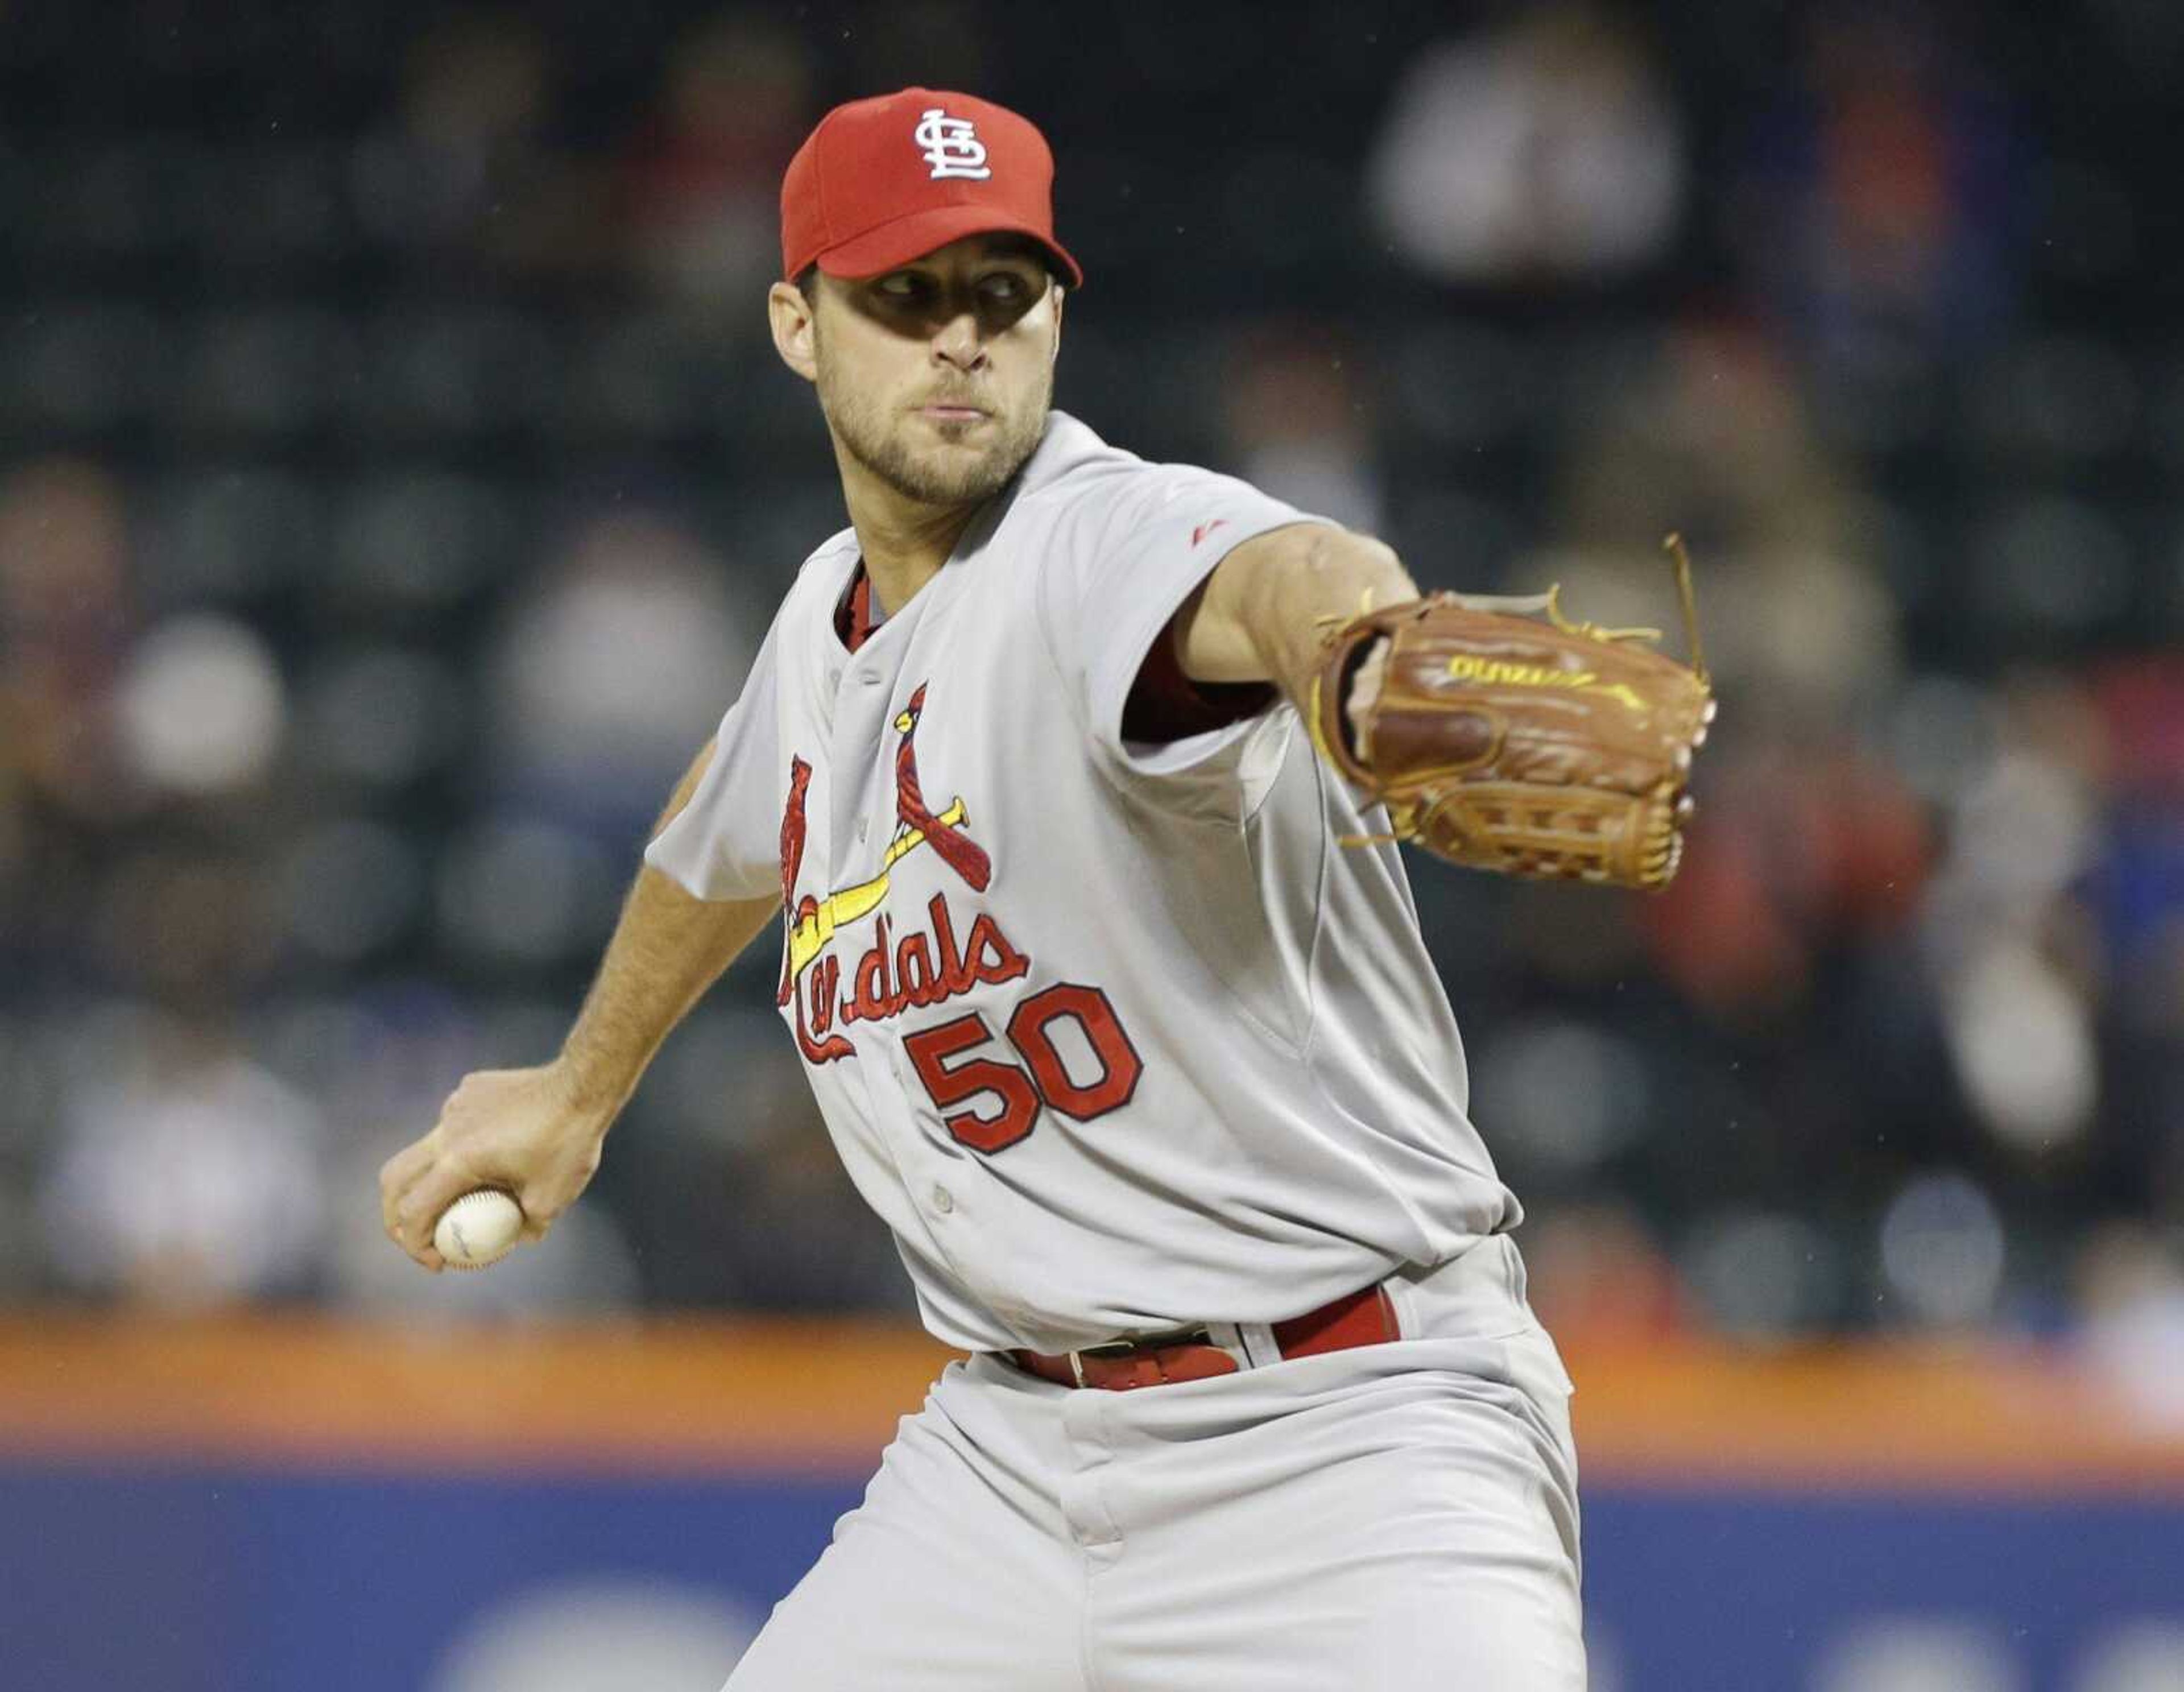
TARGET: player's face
(936,378)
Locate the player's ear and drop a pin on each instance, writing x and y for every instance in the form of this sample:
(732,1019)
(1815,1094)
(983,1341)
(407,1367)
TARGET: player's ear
(795,321)
(1060,299)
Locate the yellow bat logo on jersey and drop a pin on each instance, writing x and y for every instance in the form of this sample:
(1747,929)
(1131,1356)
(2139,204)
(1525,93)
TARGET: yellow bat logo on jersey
(898,972)
(815,926)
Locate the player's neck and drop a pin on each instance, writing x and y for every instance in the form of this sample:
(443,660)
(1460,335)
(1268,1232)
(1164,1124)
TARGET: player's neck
(905,542)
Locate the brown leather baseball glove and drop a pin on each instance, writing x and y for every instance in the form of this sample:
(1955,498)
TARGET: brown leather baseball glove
(1524,743)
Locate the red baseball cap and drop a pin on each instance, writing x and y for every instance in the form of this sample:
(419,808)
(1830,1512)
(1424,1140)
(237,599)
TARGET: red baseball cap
(882,181)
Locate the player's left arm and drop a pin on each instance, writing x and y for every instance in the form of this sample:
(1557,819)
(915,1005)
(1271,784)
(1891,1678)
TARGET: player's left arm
(1262,614)
(1581,738)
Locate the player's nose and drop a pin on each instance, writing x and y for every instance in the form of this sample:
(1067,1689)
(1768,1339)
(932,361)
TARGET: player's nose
(960,342)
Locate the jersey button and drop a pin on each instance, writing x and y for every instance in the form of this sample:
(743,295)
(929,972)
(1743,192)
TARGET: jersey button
(943,1200)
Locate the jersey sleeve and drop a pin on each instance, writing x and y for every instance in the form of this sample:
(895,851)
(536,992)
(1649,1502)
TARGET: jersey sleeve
(725,843)
(1137,556)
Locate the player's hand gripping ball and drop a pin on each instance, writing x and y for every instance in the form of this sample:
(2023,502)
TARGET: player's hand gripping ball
(480,1227)
(1523,743)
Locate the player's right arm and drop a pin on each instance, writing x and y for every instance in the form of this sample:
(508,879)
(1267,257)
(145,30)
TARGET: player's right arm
(538,1132)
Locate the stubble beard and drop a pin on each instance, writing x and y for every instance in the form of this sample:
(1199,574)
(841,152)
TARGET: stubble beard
(881,442)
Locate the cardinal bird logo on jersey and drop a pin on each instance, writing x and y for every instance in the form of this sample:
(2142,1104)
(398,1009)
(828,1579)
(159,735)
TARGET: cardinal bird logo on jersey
(916,970)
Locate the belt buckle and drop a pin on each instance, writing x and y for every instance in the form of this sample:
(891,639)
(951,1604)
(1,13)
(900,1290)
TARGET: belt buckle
(1130,1348)
(1112,1348)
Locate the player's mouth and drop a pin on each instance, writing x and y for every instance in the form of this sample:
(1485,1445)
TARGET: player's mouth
(957,414)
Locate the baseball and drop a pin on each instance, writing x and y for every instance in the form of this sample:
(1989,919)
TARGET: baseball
(479,1227)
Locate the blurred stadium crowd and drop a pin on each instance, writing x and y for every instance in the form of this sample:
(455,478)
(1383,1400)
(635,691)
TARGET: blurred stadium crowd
(395,478)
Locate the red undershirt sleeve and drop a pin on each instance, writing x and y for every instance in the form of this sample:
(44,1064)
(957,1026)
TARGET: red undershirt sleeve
(1165,705)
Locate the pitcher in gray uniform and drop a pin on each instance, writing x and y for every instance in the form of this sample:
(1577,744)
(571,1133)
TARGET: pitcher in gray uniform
(1115,1015)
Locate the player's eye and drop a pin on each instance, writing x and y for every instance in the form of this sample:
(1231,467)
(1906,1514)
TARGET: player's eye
(902,286)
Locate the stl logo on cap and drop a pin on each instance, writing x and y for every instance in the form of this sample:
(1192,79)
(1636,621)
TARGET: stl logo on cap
(857,201)
(951,146)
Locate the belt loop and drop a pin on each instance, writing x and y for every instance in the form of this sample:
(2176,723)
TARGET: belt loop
(1230,1336)
(1076,1367)
(1256,1340)
(1402,1305)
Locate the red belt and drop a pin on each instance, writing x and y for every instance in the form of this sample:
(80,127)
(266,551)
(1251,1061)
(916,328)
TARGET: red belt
(1365,1318)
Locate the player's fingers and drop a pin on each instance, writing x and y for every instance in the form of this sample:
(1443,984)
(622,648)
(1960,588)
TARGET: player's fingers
(422,1252)
(419,1212)
(396,1175)
(418,1209)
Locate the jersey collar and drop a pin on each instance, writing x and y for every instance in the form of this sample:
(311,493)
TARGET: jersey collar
(1065,444)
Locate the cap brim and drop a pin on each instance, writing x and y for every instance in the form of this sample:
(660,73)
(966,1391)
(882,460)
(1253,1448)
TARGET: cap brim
(902,239)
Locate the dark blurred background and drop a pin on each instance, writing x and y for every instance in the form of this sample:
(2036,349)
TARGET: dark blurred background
(395,478)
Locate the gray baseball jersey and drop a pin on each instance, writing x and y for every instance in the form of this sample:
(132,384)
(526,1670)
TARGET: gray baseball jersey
(1117,1038)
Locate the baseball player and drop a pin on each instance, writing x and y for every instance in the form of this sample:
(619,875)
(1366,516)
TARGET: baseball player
(1065,778)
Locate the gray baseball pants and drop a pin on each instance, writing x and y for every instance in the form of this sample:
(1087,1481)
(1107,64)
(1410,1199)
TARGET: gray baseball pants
(1378,1519)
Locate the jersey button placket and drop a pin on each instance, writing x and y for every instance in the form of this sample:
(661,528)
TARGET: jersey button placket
(943,1201)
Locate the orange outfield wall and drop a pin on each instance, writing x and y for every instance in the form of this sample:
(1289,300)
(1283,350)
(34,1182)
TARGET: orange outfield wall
(682,1395)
